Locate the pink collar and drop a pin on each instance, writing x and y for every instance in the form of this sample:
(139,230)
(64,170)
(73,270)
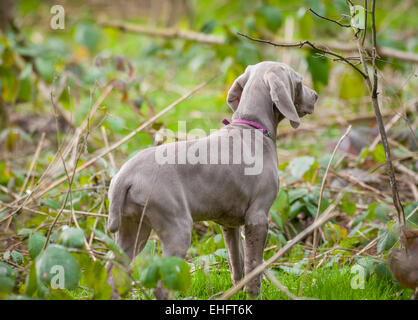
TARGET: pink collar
(250,123)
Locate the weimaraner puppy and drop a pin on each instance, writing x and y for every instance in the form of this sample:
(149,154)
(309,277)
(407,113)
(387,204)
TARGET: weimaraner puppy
(176,194)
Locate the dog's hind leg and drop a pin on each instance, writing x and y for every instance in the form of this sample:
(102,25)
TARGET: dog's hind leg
(125,238)
(175,237)
(235,250)
(255,232)
(128,232)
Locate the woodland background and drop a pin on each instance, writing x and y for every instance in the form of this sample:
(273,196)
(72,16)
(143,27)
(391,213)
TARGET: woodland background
(71,100)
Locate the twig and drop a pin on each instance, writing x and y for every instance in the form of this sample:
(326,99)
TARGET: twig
(354,180)
(325,18)
(33,163)
(308,43)
(413,189)
(407,171)
(112,160)
(326,216)
(321,192)
(373,95)
(281,287)
(367,247)
(165,33)
(365,24)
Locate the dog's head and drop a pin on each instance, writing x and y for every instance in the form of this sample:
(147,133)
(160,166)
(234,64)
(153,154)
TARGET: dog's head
(283,85)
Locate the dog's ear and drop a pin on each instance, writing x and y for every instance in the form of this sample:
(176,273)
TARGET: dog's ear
(234,93)
(281,96)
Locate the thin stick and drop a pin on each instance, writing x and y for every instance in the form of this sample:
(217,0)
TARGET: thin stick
(326,216)
(281,287)
(310,44)
(407,171)
(112,160)
(328,19)
(373,95)
(33,163)
(321,192)
(165,33)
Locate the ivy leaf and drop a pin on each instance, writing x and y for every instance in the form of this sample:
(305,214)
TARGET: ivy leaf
(348,206)
(17,257)
(319,68)
(382,212)
(379,154)
(112,245)
(358,17)
(277,219)
(122,280)
(351,86)
(248,53)
(295,208)
(96,277)
(150,275)
(408,210)
(8,84)
(208,27)
(280,205)
(36,243)
(270,16)
(31,282)
(87,34)
(370,212)
(56,259)
(221,253)
(73,238)
(298,193)
(299,166)
(175,273)
(386,239)
(7,278)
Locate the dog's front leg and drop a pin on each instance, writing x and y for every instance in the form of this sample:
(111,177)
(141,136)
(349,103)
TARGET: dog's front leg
(255,232)
(235,250)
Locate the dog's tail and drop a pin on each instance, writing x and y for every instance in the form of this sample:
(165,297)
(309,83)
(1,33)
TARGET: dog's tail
(117,194)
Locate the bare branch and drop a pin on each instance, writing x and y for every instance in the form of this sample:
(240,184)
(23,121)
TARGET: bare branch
(306,42)
(165,33)
(328,19)
(372,86)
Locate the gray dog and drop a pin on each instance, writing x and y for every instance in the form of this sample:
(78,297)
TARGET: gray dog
(177,193)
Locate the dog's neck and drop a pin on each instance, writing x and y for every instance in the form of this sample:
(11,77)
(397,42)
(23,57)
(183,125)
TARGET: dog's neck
(264,113)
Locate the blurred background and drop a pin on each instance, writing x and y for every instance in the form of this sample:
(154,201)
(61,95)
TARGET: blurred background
(115,64)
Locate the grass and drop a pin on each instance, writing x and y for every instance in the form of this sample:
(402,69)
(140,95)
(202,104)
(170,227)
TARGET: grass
(324,283)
